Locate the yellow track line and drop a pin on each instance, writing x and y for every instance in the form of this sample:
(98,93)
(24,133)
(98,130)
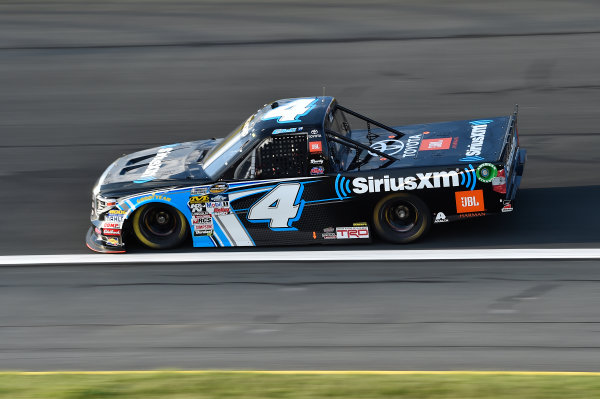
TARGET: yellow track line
(305,372)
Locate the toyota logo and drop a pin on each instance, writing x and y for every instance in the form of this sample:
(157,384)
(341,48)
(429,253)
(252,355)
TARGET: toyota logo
(390,147)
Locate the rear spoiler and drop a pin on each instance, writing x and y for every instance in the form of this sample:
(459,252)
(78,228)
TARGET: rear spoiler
(512,124)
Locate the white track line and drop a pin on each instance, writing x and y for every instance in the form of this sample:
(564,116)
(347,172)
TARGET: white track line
(305,256)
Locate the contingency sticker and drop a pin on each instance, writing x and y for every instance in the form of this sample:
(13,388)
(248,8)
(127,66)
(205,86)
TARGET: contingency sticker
(469,201)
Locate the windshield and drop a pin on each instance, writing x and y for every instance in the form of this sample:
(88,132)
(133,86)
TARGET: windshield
(229,150)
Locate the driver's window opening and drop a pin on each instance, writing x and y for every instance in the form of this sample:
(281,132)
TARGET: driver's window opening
(354,127)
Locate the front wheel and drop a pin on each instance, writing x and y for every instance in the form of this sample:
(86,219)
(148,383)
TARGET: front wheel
(401,218)
(159,226)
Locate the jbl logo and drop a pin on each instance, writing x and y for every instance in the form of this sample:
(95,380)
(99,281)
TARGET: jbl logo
(469,201)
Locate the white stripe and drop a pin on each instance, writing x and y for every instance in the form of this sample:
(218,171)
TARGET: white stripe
(305,256)
(235,231)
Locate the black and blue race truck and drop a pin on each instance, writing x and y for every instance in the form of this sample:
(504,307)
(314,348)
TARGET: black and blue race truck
(308,170)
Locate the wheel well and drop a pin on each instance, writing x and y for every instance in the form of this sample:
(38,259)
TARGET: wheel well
(128,222)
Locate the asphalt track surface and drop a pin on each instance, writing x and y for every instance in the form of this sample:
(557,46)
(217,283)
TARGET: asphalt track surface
(83,83)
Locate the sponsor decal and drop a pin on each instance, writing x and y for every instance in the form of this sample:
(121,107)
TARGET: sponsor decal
(203,225)
(111,225)
(370,184)
(221,211)
(198,208)
(153,197)
(201,219)
(411,149)
(115,215)
(455,142)
(97,231)
(314,134)
(440,217)
(201,199)
(359,224)
(117,212)
(469,201)
(218,188)
(471,215)
(478,130)
(219,198)
(315,146)
(314,235)
(507,206)
(111,232)
(317,170)
(112,241)
(203,232)
(435,144)
(351,232)
(290,130)
(486,172)
(217,204)
(361,185)
(328,230)
(316,161)
(390,147)
(329,236)
(199,191)
(154,165)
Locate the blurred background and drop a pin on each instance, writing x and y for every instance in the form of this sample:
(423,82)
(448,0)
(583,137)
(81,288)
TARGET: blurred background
(83,82)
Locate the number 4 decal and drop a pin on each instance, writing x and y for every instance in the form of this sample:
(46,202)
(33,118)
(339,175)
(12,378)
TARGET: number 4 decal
(280,207)
(290,112)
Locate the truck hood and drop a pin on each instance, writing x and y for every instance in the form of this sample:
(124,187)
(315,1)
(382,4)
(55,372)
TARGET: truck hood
(157,166)
(438,144)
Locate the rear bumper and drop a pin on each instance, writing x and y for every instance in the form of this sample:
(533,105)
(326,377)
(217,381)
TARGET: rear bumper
(96,244)
(517,174)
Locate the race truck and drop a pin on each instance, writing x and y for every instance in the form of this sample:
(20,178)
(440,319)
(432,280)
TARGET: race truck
(308,170)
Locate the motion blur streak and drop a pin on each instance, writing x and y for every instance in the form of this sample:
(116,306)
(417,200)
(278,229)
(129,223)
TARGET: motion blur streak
(492,315)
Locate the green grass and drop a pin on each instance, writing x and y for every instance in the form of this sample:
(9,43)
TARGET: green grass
(170,385)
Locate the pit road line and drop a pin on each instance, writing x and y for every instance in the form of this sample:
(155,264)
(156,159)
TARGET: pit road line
(304,255)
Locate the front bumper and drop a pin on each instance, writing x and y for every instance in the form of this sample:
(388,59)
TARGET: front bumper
(94,243)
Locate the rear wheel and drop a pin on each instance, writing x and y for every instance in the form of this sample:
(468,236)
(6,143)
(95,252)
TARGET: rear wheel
(159,226)
(401,218)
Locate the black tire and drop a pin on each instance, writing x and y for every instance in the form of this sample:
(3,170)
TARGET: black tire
(159,226)
(401,218)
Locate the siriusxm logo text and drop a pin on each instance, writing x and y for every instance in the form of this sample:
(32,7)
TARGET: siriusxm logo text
(478,129)
(369,184)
